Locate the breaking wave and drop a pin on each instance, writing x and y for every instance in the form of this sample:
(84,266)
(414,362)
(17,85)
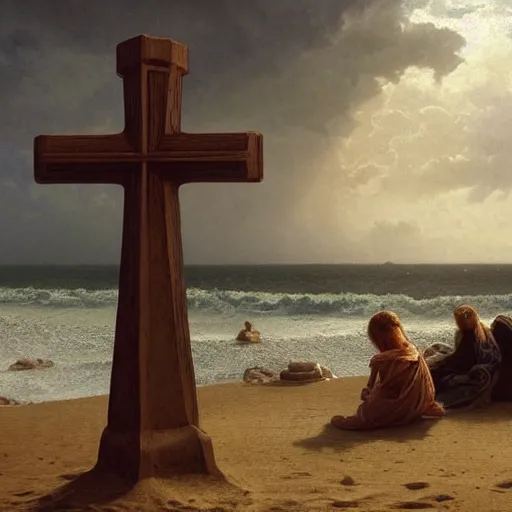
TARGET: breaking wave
(264,303)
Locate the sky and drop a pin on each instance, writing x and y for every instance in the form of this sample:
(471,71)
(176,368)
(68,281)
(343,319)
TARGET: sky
(386,127)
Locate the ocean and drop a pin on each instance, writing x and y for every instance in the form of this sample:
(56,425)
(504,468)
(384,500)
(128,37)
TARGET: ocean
(304,312)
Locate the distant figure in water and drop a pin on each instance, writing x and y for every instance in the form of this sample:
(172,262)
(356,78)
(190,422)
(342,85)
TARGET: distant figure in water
(467,376)
(247,335)
(400,389)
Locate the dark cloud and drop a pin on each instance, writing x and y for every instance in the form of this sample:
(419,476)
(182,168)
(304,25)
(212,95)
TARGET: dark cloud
(294,69)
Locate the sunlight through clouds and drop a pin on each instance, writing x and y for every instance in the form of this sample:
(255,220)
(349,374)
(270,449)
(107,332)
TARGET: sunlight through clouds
(433,161)
(386,126)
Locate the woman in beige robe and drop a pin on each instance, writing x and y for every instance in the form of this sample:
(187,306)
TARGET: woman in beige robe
(400,389)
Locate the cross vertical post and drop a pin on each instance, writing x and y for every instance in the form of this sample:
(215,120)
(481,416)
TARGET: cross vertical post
(153,425)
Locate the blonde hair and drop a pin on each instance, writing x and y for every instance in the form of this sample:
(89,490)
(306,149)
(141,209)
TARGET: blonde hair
(386,332)
(467,320)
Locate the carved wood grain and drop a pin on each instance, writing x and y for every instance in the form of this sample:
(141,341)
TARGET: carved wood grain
(152,427)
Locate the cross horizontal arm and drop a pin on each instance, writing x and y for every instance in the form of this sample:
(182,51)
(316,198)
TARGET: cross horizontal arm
(182,157)
(82,158)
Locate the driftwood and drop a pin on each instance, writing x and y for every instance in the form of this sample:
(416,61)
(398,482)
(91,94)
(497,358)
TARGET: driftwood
(296,372)
(259,375)
(305,371)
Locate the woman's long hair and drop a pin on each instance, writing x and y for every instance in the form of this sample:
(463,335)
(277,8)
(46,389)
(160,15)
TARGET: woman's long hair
(467,320)
(386,332)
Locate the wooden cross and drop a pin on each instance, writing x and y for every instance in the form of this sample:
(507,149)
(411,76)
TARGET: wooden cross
(152,427)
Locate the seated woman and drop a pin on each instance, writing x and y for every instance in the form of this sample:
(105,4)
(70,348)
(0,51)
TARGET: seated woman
(501,329)
(400,389)
(247,335)
(467,376)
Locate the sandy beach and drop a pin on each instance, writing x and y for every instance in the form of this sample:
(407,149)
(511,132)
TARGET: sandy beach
(277,454)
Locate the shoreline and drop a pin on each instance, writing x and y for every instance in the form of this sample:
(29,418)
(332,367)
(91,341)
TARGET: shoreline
(105,396)
(277,450)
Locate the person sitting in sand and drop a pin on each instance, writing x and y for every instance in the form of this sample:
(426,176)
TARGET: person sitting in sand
(247,335)
(400,389)
(467,376)
(501,329)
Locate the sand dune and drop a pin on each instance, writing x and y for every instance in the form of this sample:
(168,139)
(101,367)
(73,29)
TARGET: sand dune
(277,453)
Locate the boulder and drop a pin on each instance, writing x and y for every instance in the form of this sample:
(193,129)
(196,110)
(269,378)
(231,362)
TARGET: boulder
(305,371)
(296,372)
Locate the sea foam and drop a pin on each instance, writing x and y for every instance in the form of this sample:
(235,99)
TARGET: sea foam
(265,303)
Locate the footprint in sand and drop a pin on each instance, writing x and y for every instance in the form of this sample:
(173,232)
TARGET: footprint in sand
(345,504)
(443,497)
(413,505)
(415,486)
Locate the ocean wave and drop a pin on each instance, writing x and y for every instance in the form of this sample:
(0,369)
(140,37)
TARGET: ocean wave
(264,303)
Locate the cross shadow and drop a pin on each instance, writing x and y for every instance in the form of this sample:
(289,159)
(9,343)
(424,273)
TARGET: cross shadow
(343,440)
(82,491)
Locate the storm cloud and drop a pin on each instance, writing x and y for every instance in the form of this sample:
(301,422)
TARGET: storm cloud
(311,75)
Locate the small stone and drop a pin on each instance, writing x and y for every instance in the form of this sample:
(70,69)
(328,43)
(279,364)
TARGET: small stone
(505,485)
(348,480)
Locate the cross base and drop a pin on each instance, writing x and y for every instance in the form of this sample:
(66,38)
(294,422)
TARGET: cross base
(135,456)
